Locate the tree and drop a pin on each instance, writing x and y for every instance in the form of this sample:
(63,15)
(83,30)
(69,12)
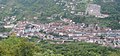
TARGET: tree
(14,46)
(47,53)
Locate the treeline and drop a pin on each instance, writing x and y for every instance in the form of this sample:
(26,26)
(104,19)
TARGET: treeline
(14,46)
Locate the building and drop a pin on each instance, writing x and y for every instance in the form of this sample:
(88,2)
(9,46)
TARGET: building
(94,10)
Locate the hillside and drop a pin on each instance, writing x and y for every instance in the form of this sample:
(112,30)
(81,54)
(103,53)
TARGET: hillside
(46,11)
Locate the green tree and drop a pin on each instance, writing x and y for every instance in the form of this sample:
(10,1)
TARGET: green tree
(14,46)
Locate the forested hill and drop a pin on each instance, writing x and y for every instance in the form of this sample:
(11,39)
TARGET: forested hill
(27,8)
(41,9)
(37,8)
(111,7)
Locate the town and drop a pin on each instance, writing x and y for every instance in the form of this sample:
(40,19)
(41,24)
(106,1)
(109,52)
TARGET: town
(65,30)
(59,27)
